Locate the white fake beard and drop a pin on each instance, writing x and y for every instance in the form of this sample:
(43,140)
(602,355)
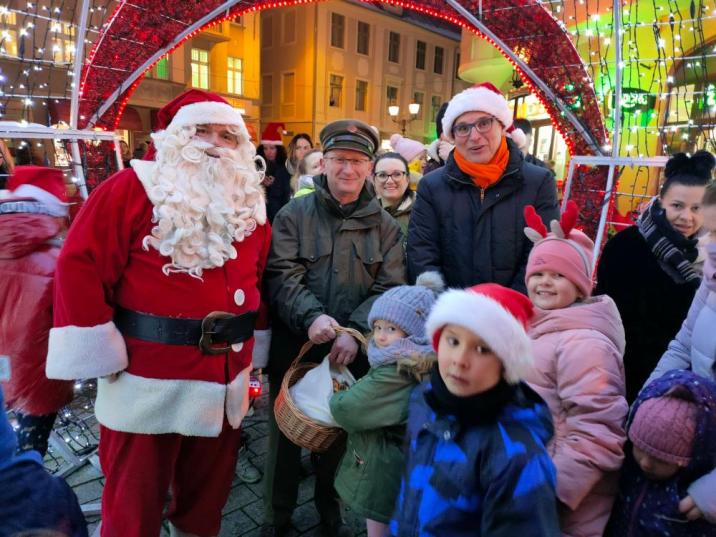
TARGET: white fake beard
(202,204)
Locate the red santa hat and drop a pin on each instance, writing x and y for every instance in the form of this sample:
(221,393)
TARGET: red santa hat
(198,107)
(46,185)
(486,98)
(498,315)
(272,134)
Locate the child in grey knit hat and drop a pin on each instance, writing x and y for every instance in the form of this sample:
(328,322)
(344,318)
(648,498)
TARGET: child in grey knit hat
(374,410)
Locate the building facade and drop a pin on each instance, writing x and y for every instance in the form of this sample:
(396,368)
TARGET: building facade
(339,59)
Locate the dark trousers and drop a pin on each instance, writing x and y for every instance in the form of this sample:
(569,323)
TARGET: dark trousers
(283,472)
(34,431)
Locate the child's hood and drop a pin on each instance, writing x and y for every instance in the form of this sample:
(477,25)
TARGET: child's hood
(598,313)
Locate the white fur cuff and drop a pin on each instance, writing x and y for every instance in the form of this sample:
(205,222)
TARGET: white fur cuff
(80,352)
(262,342)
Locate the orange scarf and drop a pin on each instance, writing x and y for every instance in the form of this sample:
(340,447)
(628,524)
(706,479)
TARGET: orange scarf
(484,175)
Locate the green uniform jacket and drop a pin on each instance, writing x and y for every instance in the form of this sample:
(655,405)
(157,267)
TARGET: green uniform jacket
(374,412)
(325,259)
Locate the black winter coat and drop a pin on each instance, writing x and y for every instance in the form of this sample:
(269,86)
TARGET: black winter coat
(652,305)
(473,235)
(325,260)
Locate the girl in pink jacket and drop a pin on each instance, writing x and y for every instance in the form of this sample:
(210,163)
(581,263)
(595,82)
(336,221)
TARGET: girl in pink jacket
(578,347)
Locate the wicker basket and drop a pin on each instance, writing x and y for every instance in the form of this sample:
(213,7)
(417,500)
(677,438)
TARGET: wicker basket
(294,424)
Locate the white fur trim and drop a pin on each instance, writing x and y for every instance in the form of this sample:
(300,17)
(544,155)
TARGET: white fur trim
(207,113)
(488,319)
(141,405)
(237,398)
(52,203)
(144,170)
(80,352)
(476,100)
(262,342)
(271,142)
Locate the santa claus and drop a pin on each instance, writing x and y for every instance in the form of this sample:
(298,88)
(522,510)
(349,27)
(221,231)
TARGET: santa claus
(157,294)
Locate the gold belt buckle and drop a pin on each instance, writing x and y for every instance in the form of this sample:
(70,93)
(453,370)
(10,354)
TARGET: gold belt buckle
(207,331)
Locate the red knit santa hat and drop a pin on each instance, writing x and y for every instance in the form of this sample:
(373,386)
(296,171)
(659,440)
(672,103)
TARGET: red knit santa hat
(566,250)
(498,315)
(272,134)
(486,98)
(46,185)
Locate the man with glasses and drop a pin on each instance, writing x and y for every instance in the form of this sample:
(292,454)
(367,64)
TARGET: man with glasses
(467,220)
(333,252)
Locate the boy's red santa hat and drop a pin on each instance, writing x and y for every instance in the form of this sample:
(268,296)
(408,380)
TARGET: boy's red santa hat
(198,107)
(272,134)
(46,185)
(485,98)
(498,315)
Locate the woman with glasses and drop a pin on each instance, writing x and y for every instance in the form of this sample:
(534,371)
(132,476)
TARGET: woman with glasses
(467,220)
(391,179)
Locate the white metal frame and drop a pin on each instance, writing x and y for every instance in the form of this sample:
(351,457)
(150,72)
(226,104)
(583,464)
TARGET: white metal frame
(612,162)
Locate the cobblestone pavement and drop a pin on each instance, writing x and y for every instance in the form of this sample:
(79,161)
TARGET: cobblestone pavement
(243,512)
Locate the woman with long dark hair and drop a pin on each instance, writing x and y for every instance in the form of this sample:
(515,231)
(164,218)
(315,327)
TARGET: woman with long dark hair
(648,269)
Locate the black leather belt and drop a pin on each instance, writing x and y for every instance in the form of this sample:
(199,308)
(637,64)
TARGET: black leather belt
(216,327)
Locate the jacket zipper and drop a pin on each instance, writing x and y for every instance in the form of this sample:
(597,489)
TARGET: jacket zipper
(635,510)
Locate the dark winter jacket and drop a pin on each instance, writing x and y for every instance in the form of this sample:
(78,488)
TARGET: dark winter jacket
(27,270)
(493,479)
(30,498)
(373,412)
(401,211)
(323,260)
(646,508)
(279,192)
(651,304)
(471,235)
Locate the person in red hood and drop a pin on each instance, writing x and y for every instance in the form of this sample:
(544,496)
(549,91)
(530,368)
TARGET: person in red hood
(33,214)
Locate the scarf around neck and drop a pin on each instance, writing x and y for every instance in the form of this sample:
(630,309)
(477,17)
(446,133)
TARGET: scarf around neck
(485,175)
(674,252)
(472,410)
(405,347)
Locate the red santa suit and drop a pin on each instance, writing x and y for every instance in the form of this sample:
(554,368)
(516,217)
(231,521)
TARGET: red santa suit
(169,413)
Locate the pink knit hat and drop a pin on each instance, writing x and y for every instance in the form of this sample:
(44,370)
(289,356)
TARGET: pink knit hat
(566,250)
(407,148)
(665,428)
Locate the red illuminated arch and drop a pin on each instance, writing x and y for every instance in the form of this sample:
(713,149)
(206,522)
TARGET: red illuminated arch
(137,34)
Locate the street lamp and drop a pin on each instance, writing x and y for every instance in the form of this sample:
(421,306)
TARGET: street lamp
(394,113)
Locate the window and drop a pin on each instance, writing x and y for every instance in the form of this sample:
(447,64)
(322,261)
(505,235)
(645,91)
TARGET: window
(266,30)
(288,88)
(435,104)
(289,27)
(338,30)
(394,47)
(160,69)
(234,67)
(68,50)
(200,68)
(8,45)
(391,95)
(363,38)
(336,96)
(419,97)
(438,63)
(420,50)
(361,95)
(267,89)
(457,65)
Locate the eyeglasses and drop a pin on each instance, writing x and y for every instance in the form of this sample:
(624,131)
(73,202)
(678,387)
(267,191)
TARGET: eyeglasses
(354,162)
(482,125)
(395,176)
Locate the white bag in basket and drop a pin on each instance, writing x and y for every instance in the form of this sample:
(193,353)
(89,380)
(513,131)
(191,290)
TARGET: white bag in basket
(312,394)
